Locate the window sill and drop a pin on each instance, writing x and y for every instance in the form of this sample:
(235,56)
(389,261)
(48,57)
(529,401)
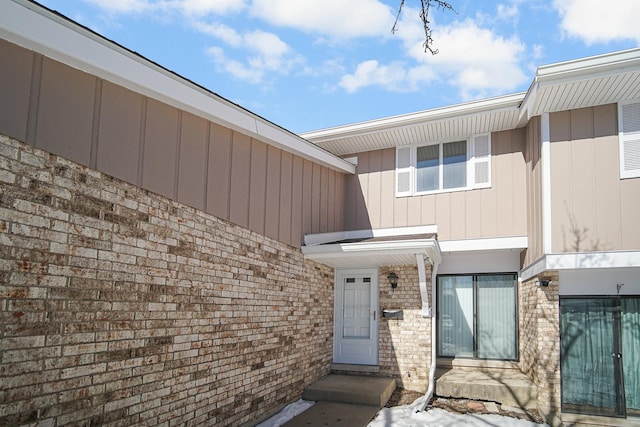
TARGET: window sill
(448,190)
(570,419)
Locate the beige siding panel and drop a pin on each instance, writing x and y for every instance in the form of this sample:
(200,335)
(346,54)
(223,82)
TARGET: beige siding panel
(361,193)
(296,201)
(374,197)
(519,173)
(560,126)
(324,200)
(331,207)
(561,196)
(160,148)
(582,123)
(401,212)
(286,174)
(605,119)
(387,188)
(534,197)
(443,218)
(219,174)
(630,202)
(240,178)
(428,210)
(258,187)
(505,186)
(608,201)
(457,214)
(119,135)
(473,218)
(315,197)
(340,194)
(590,211)
(489,213)
(414,211)
(15,89)
(65,112)
(272,211)
(583,217)
(307,201)
(192,170)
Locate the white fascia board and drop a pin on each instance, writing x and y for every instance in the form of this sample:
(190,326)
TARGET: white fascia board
(590,67)
(490,244)
(581,261)
(37,29)
(508,102)
(323,238)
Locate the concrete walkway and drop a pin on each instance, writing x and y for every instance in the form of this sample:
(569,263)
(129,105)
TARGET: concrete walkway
(344,400)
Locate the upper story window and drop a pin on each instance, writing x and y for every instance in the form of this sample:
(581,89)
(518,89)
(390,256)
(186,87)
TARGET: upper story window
(629,135)
(445,166)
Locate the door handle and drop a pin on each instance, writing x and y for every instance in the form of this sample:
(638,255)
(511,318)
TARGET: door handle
(374,315)
(617,355)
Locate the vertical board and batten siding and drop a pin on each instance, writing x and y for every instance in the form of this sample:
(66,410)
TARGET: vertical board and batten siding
(498,211)
(592,208)
(534,191)
(165,150)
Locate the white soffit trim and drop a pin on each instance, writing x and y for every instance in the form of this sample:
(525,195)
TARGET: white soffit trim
(582,261)
(36,28)
(545,156)
(485,106)
(323,238)
(395,252)
(491,244)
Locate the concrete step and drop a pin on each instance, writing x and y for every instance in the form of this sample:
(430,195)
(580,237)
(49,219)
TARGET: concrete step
(505,386)
(362,390)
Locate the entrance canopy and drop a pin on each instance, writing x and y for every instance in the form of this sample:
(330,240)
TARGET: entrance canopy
(373,248)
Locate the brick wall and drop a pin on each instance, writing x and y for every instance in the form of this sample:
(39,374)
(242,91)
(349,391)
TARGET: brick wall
(405,345)
(540,341)
(528,328)
(122,307)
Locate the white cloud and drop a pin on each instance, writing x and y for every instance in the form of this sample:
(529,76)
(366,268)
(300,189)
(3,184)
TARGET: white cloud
(186,7)
(476,61)
(122,6)
(506,12)
(596,22)
(333,18)
(221,32)
(235,68)
(266,53)
(204,7)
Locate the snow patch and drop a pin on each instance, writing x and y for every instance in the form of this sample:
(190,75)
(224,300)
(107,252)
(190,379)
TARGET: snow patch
(287,413)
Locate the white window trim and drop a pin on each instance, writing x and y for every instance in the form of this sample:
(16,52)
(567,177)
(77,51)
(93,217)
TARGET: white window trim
(622,139)
(471,162)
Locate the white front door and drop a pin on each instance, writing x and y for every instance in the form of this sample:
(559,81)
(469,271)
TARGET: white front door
(356,317)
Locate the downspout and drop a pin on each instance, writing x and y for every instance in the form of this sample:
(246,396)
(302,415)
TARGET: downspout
(428,311)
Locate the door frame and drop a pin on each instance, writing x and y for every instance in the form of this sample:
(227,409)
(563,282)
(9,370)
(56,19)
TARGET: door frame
(340,275)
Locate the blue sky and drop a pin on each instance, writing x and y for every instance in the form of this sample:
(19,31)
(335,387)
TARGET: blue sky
(312,64)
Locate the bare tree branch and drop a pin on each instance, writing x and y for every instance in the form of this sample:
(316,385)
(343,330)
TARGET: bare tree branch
(424,17)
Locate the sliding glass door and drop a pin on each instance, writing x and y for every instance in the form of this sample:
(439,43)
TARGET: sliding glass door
(477,316)
(600,355)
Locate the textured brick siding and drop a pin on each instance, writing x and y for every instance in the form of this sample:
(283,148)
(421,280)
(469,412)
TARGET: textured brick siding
(540,339)
(405,344)
(122,307)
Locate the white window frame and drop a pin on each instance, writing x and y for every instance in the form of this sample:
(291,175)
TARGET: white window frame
(474,160)
(626,139)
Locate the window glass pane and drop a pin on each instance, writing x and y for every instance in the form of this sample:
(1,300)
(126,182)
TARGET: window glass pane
(586,364)
(455,322)
(454,164)
(630,326)
(496,317)
(428,159)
